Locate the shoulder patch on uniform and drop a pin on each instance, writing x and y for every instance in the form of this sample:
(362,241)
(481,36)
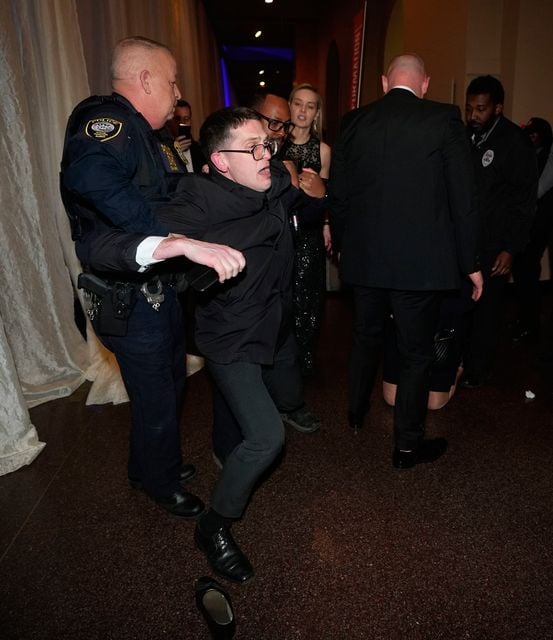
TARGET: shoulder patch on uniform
(487,158)
(103,129)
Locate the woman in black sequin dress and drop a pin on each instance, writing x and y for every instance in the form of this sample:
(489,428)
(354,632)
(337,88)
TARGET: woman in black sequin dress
(309,153)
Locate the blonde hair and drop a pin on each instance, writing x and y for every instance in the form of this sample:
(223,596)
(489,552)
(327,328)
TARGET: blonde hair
(317,124)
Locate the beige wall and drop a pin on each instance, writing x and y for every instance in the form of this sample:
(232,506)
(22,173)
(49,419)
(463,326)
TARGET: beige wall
(461,39)
(436,31)
(458,39)
(394,36)
(533,69)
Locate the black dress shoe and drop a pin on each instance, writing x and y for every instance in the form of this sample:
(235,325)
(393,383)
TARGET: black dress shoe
(187,472)
(427,451)
(182,504)
(470,381)
(215,606)
(224,555)
(355,421)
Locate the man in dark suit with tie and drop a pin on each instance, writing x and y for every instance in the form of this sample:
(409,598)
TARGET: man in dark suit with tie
(405,224)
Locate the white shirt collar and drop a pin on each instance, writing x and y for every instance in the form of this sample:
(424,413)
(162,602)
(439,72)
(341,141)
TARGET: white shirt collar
(401,86)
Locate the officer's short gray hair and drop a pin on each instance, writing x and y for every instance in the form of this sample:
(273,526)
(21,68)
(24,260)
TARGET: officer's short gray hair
(132,46)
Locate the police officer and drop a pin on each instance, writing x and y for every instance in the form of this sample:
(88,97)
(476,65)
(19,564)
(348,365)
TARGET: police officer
(114,174)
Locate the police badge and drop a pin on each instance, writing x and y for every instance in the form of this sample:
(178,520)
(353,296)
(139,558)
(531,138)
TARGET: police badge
(487,158)
(103,129)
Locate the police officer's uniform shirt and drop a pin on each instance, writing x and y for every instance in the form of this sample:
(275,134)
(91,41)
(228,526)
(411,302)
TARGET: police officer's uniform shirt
(115,171)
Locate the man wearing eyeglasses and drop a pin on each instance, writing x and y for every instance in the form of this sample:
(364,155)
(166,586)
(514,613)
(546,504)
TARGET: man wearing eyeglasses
(244,330)
(274,112)
(275,115)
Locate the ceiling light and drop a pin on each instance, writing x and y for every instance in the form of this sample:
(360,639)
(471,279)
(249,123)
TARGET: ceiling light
(262,83)
(258,33)
(268,1)
(261,72)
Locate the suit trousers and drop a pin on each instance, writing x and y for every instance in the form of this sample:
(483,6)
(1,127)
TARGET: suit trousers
(255,394)
(152,360)
(487,317)
(527,269)
(415,316)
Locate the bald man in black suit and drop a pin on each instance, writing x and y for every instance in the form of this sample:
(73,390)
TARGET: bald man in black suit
(404,221)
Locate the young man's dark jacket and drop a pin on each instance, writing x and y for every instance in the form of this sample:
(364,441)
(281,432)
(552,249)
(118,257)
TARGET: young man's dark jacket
(242,319)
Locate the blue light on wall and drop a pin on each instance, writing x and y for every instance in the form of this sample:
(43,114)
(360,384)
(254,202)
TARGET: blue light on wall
(254,54)
(226,85)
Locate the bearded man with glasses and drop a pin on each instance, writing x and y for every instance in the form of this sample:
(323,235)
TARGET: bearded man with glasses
(244,329)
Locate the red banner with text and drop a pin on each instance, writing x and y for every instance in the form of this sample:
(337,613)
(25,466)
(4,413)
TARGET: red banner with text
(357,62)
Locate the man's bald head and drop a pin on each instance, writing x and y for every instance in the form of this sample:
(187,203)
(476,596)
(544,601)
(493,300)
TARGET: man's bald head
(132,55)
(145,73)
(406,70)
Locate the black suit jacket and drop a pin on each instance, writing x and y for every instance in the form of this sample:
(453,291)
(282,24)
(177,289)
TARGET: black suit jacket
(401,195)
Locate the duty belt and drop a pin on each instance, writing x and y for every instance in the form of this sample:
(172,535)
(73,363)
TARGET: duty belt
(99,289)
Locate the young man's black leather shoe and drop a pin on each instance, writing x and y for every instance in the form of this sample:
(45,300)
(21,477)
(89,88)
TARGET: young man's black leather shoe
(182,504)
(223,554)
(187,472)
(214,604)
(427,451)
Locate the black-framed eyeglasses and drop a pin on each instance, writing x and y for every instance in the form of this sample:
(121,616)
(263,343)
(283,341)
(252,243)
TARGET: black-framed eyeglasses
(276,125)
(258,150)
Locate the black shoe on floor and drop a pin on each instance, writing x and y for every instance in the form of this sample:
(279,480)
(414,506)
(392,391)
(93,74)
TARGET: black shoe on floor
(427,451)
(224,555)
(182,504)
(187,472)
(302,420)
(214,604)
(470,381)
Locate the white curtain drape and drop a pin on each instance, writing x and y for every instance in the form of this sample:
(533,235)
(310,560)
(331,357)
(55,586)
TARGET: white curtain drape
(48,51)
